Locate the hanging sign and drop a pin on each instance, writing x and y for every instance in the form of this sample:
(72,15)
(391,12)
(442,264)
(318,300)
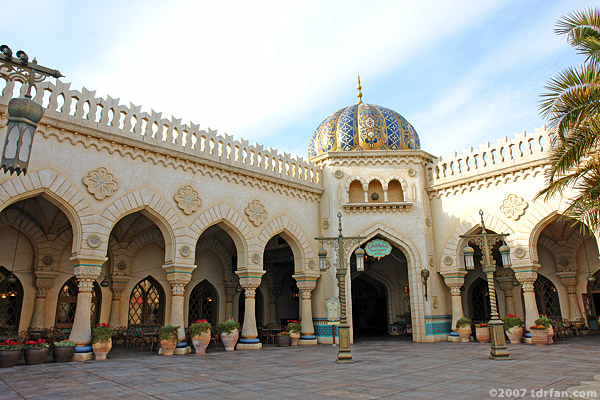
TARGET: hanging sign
(378,248)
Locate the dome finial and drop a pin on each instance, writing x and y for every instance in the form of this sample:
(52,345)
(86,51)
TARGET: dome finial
(359,95)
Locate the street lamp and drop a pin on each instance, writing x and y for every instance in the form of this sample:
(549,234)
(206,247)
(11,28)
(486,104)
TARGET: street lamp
(486,242)
(23,113)
(340,245)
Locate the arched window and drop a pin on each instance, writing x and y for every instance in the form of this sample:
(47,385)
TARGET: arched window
(67,303)
(395,193)
(356,193)
(203,303)
(480,301)
(146,303)
(375,191)
(11,299)
(546,297)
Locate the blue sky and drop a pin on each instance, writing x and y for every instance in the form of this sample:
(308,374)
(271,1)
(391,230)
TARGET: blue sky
(462,72)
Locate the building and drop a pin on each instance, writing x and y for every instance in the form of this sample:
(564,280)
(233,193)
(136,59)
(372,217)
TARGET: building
(186,224)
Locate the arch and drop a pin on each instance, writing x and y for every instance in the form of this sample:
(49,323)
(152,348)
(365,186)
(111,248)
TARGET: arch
(453,250)
(58,191)
(12,219)
(363,182)
(153,207)
(216,247)
(540,215)
(479,301)
(294,237)
(369,305)
(546,297)
(594,286)
(356,194)
(66,304)
(11,302)
(146,303)
(375,189)
(203,303)
(233,224)
(402,181)
(394,190)
(390,286)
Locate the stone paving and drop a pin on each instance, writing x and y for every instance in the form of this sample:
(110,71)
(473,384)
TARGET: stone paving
(389,368)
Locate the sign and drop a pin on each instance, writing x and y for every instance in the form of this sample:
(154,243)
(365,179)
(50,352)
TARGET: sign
(378,248)
(333,309)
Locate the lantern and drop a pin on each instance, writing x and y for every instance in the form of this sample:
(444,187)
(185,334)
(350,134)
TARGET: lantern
(323,259)
(469,261)
(505,253)
(23,117)
(360,259)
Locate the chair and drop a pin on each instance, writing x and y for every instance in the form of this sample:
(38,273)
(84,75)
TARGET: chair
(578,326)
(215,336)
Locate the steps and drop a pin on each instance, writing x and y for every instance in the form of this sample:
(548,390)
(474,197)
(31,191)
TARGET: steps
(586,390)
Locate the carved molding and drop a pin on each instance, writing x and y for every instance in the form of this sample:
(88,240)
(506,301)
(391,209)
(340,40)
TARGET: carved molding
(377,207)
(250,283)
(86,275)
(256,212)
(178,280)
(513,207)
(187,199)
(100,183)
(454,284)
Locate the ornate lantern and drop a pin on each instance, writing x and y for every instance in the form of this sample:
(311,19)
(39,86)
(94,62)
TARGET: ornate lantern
(469,260)
(23,117)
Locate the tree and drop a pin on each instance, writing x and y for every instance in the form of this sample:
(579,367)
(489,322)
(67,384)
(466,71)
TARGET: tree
(572,106)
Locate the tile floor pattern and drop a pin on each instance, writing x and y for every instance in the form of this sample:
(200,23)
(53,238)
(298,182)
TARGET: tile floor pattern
(388,368)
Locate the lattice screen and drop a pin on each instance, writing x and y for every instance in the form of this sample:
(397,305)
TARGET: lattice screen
(546,297)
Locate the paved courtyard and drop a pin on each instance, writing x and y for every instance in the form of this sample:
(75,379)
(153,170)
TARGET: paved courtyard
(388,368)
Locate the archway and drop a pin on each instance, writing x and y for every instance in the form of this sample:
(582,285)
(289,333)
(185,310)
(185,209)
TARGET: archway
(546,297)
(11,300)
(479,301)
(67,304)
(203,303)
(369,307)
(146,304)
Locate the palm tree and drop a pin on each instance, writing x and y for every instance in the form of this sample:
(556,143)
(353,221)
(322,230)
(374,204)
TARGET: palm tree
(572,105)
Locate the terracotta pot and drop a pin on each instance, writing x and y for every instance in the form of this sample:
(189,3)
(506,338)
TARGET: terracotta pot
(9,358)
(36,356)
(101,349)
(515,334)
(465,333)
(294,337)
(550,332)
(539,337)
(482,334)
(168,347)
(201,342)
(229,340)
(63,353)
(283,340)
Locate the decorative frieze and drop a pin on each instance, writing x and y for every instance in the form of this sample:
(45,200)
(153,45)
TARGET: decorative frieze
(187,199)
(377,207)
(100,183)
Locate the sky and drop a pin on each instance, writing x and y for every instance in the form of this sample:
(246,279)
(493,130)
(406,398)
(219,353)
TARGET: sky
(462,73)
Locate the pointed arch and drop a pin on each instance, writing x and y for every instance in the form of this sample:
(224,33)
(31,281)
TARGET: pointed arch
(37,238)
(216,247)
(204,303)
(11,302)
(146,303)
(546,297)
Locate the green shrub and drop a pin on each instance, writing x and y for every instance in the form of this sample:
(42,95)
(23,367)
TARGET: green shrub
(228,326)
(169,332)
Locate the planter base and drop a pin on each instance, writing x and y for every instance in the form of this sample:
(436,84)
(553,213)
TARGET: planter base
(454,338)
(83,356)
(178,350)
(248,346)
(307,342)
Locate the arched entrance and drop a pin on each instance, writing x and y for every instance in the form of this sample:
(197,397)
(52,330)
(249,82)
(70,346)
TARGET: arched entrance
(480,301)
(11,300)
(203,303)
(369,308)
(546,297)
(146,304)
(67,304)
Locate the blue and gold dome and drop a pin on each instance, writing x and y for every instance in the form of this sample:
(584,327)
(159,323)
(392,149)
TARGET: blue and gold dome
(363,127)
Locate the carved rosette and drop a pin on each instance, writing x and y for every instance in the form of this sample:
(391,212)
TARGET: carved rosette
(117,288)
(454,284)
(306,288)
(513,207)
(256,212)
(188,200)
(178,280)
(250,285)
(86,275)
(100,183)
(42,285)
(526,278)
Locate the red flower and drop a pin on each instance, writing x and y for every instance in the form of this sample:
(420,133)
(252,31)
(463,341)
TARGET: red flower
(512,315)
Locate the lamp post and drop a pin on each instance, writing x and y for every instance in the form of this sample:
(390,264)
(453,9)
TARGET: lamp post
(486,242)
(340,245)
(23,113)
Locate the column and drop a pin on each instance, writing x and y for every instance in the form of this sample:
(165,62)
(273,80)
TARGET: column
(455,280)
(43,282)
(115,307)
(274,292)
(531,311)
(507,285)
(229,295)
(569,280)
(86,272)
(178,281)
(306,284)
(250,280)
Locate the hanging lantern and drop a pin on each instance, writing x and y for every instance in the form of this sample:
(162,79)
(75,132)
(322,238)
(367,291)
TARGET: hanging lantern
(469,261)
(104,282)
(23,117)
(505,253)
(322,259)
(11,279)
(360,259)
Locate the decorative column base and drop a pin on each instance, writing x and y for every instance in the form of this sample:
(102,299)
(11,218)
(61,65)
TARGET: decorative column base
(499,350)
(307,340)
(178,350)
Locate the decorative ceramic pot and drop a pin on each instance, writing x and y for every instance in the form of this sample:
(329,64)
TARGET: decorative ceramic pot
(201,342)
(63,353)
(283,340)
(36,356)
(294,337)
(483,334)
(168,347)
(465,333)
(550,332)
(515,334)
(229,340)
(539,337)
(101,349)
(9,358)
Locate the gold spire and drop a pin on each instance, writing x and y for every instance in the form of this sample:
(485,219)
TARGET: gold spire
(359,95)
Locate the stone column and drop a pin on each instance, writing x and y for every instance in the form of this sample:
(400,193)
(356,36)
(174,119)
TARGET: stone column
(115,307)
(43,282)
(229,295)
(454,280)
(569,280)
(86,272)
(506,284)
(274,292)
(250,280)
(178,280)
(531,311)
(307,331)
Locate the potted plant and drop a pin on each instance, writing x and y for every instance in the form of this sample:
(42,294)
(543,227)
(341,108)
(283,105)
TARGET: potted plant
(283,339)
(10,352)
(482,333)
(63,351)
(101,341)
(293,327)
(547,322)
(539,335)
(229,334)
(463,326)
(36,351)
(168,339)
(514,328)
(200,333)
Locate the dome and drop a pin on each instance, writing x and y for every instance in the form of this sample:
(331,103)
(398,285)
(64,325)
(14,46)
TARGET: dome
(363,127)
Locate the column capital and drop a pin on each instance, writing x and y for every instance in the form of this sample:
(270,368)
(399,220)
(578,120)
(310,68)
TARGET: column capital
(507,286)
(43,281)
(569,281)
(118,286)
(250,279)
(178,281)
(86,274)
